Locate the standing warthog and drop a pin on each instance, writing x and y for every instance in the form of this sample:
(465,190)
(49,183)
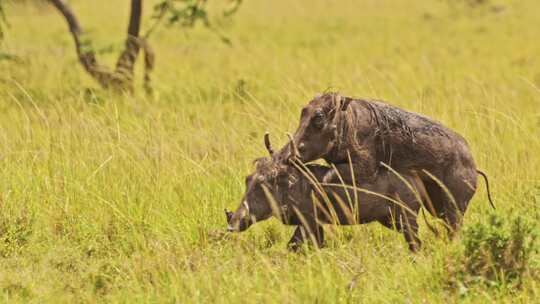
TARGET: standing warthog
(309,196)
(368,133)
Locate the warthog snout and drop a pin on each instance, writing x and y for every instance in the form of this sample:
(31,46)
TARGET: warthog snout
(267,182)
(229,215)
(240,220)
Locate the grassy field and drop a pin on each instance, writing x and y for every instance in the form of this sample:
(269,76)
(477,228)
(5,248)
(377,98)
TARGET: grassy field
(108,198)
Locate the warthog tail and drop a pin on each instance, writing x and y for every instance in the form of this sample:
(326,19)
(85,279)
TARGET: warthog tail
(487,187)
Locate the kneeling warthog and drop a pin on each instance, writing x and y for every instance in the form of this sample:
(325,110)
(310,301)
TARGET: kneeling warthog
(309,196)
(367,133)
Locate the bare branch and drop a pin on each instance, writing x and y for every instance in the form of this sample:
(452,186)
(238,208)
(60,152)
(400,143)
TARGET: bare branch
(3,21)
(83,46)
(149,62)
(121,78)
(135,18)
(126,61)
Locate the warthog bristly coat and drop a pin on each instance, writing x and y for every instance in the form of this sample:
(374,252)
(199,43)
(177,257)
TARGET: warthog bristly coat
(310,196)
(370,133)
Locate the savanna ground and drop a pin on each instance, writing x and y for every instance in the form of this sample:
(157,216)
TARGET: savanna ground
(120,198)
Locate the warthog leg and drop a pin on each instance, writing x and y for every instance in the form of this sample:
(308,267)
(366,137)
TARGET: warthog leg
(406,223)
(410,232)
(450,192)
(302,234)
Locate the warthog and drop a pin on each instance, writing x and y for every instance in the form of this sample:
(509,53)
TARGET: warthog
(367,133)
(309,196)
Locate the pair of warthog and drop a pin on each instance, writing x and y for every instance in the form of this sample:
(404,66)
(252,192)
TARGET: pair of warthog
(386,163)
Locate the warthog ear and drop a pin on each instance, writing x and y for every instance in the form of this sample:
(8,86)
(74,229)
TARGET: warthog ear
(345,101)
(229,215)
(294,150)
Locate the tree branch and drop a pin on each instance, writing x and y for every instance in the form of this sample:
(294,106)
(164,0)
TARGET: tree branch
(3,21)
(135,18)
(126,61)
(121,78)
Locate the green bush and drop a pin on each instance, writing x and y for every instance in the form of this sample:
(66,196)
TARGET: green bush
(495,253)
(15,232)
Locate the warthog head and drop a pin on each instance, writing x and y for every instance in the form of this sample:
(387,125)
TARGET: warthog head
(268,190)
(317,132)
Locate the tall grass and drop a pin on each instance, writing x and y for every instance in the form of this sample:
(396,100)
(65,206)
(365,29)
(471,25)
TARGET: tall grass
(119,198)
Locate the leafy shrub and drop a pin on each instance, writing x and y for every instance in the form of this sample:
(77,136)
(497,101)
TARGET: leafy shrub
(497,253)
(15,232)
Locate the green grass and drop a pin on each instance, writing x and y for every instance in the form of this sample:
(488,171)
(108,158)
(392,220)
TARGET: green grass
(118,198)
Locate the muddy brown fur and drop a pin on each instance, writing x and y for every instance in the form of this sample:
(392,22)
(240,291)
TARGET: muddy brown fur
(309,196)
(371,133)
